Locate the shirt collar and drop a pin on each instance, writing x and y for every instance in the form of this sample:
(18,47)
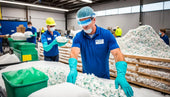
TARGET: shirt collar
(48,32)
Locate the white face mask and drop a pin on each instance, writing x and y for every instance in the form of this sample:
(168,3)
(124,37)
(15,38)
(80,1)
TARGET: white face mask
(30,27)
(52,29)
(88,31)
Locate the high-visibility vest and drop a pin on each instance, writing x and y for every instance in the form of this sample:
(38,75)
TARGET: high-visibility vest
(42,31)
(118,32)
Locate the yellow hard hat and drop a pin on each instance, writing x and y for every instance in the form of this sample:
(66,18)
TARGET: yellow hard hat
(50,21)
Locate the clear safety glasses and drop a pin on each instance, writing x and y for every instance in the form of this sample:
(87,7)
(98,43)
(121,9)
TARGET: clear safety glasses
(85,22)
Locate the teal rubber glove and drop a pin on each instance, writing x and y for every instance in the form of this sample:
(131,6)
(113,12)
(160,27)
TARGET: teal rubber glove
(47,46)
(121,67)
(31,35)
(73,71)
(35,34)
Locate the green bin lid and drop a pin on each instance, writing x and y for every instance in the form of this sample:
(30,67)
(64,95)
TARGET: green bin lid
(26,44)
(24,77)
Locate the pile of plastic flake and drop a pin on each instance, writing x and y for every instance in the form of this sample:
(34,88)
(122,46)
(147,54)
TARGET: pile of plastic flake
(28,34)
(98,86)
(95,85)
(18,36)
(154,72)
(143,41)
(61,39)
(154,83)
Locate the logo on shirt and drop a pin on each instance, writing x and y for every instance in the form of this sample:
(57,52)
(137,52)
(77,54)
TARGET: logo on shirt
(100,41)
(48,38)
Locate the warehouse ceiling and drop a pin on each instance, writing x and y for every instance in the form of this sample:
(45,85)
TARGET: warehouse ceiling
(64,4)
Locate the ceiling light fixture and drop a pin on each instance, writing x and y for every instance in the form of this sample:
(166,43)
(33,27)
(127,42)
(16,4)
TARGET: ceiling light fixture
(33,5)
(87,1)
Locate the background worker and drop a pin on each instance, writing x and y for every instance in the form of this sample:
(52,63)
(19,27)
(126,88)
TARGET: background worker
(1,38)
(34,33)
(118,32)
(50,44)
(163,36)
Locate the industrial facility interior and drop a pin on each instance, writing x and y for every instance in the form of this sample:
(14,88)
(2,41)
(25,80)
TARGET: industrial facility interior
(84,48)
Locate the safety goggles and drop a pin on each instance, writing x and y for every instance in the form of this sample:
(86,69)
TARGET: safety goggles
(85,22)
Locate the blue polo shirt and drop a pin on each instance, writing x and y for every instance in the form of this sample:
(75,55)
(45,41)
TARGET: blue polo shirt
(95,51)
(166,39)
(32,39)
(47,37)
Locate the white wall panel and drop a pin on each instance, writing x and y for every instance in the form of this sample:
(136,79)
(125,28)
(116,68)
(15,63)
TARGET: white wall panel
(38,19)
(13,13)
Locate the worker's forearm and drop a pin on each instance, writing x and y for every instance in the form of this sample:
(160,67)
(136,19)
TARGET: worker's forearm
(72,55)
(74,52)
(2,36)
(118,56)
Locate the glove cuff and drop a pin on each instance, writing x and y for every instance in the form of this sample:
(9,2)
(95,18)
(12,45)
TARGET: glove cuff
(55,42)
(121,67)
(73,63)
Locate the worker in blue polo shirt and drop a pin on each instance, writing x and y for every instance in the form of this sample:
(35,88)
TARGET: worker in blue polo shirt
(163,36)
(95,44)
(34,33)
(49,41)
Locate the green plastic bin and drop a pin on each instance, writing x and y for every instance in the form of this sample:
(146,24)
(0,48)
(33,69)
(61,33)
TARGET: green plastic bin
(26,55)
(15,44)
(23,82)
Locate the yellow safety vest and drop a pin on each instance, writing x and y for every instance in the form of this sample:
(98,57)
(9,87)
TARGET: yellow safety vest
(118,32)
(42,31)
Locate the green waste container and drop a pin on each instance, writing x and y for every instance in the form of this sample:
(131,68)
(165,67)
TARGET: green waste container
(23,82)
(26,55)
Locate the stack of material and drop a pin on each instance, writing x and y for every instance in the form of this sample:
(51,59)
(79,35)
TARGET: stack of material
(40,51)
(146,71)
(144,41)
(21,28)
(73,33)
